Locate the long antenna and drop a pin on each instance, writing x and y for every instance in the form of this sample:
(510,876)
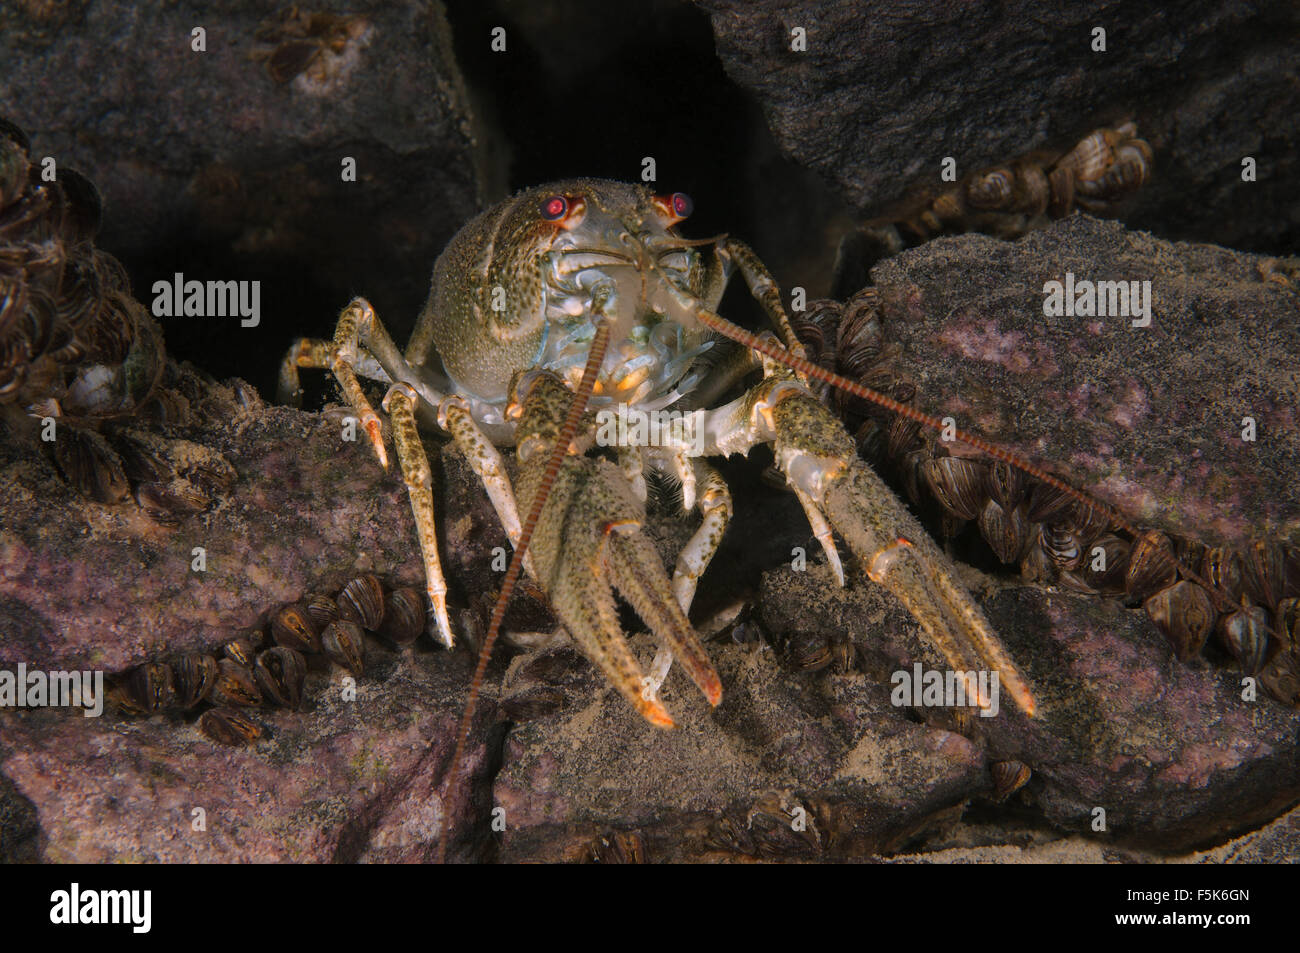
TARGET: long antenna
(595,357)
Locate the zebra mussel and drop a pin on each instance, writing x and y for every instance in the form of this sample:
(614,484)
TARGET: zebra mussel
(258,669)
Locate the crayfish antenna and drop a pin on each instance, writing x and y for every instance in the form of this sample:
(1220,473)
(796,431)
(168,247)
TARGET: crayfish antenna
(595,357)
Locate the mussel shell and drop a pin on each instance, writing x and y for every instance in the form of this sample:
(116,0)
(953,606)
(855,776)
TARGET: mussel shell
(1264,572)
(321,609)
(240,650)
(958,484)
(1037,567)
(150,686)
(1007,531)
(1005,484)
(235,685)
(280,673)
(1244,633)
(171,502)
(532,703)
(900,435)
(1185,614)
(1061,545)
(1281,678)
(1047,503)
(617,847)
(194,676)
(91,465)
(404,616)
(1112,566)
(345,645)
(993,190)
(83,206)
(1221,568)
(809,652)
(1151,565)
(293,628)
(1287,626)
(362,601)
(1008,778)
(1061,186)
(229,726)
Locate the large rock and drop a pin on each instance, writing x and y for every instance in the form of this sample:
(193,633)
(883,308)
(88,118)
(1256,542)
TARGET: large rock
(883,93)
(227,164)
(1149,419)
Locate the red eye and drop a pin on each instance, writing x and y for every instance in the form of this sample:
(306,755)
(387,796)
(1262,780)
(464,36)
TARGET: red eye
(555,208)
(682,204)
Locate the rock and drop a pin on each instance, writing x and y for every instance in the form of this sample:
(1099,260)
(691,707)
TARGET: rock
(344,781)
(234,157)
(882,94)
(1148,419)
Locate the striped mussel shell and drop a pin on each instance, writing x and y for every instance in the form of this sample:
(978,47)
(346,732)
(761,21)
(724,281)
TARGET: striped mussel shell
(1185,614)
(320,609)
(1130,169)
(1008,778)
(532,703)
(1062,546)
(1060,183)
(1287,626)
(860,336)
(345,645)
(404,616)
(1105,566)
(1221,568)
(1244,633)
(1005,485)
(1048,503)
(362,601)
(292,627)
(1007,531)
(1280,677)
(150,688)
(1037,567)
(242,650)
(1264,572)
(229,726)
(280,673)
(809,652)
(194,675)
(91,465)
(958,484)
(1152,565)
(235,685)
(992,190)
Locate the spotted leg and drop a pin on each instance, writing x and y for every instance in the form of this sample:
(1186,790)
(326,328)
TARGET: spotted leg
(400,404)
(713,500)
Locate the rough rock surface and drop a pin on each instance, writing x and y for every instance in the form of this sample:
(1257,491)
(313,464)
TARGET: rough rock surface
(211,165)
(1150,419)
(884,92)
(1178,760)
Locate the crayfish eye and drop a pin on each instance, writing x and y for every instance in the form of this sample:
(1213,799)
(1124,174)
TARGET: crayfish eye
(682,204)
(555,208)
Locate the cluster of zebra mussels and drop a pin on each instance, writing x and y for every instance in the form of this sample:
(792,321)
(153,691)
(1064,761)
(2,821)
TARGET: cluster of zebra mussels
(268,667)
